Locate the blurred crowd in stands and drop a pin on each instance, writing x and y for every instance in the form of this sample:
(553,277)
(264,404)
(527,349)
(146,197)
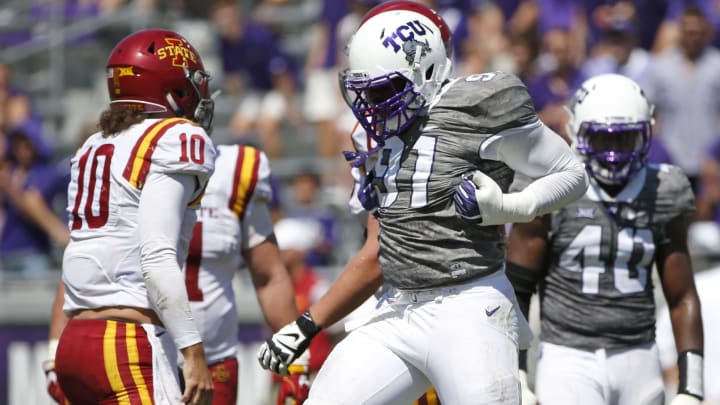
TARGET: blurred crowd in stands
(276,62)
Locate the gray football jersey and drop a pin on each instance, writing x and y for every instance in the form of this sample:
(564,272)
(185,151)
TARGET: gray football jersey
(598,291)
(423,243)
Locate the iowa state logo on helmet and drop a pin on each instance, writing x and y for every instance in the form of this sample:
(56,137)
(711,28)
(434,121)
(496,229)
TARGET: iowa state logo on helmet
(406,38)
(179,50)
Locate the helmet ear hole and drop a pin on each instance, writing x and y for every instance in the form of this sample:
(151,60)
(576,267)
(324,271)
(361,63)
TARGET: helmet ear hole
(429,72)
(151,48)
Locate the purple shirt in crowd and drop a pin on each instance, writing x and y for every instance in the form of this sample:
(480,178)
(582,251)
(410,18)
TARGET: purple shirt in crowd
(649,15)
(557,14)
(709,8)
(332,13)
(544,92)
(19,234)
(257,56)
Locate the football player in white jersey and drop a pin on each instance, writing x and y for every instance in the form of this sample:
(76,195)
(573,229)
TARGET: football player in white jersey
(134,189)
(437,181)
(593,261)
(233,220)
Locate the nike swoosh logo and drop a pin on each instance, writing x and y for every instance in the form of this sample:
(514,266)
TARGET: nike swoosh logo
(491,312)
(292,349)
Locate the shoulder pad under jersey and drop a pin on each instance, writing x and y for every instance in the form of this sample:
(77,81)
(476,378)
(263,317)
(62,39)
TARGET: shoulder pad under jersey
(674,191)
(486,102)
(173,145)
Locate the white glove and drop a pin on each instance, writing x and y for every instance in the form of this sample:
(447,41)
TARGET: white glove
(498,208)
(287,344)
(528,397)
(685,399)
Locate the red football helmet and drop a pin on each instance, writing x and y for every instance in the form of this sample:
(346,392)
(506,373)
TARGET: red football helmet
(158,70)
(420,8)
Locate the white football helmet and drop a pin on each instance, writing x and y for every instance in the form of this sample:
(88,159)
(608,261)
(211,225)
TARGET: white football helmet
(397,63)
(610,123)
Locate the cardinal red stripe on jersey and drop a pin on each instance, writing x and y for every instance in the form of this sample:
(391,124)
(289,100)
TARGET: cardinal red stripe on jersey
(138,165)
(246,177)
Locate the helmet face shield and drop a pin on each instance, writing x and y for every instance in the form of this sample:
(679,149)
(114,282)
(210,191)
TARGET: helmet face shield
(614,152)
(385,105)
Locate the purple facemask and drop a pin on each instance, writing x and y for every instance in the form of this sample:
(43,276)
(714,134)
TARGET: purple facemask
(385,105)
(614,152)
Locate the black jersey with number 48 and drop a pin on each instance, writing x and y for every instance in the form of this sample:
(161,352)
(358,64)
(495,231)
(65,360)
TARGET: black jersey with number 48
(598,291)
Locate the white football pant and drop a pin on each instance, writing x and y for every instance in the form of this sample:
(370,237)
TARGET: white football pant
(630,376)
(463,340)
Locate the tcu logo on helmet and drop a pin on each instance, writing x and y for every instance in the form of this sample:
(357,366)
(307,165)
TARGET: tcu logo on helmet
(410,48)
(405,38)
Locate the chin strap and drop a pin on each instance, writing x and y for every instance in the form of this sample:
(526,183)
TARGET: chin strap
(175,108)
(357,159)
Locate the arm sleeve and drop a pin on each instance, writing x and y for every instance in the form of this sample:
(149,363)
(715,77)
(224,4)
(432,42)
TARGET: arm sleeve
(538,152)
(257,225)
(163,205)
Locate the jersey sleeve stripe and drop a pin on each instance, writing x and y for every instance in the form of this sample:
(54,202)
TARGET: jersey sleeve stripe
(246,178)
(138,165)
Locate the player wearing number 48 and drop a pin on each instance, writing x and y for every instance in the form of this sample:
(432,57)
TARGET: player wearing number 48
(593,260)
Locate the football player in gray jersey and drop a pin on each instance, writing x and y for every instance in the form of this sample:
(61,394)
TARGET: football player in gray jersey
(593,261)
(439,159)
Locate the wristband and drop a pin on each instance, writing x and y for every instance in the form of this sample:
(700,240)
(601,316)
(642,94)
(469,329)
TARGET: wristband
(307,325)
(690,367)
